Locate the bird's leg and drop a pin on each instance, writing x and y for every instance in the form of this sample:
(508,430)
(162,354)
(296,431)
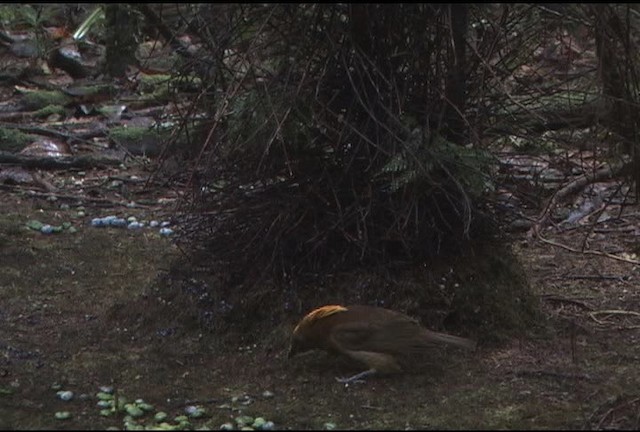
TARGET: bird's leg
(377,362)
(357,377)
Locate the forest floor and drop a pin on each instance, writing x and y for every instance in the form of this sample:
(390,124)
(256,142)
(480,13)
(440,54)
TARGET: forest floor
(66,324)
(82,311)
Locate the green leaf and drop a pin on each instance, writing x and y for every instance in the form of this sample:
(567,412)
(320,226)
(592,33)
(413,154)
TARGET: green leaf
(96,15)
(35,225)
(5,391)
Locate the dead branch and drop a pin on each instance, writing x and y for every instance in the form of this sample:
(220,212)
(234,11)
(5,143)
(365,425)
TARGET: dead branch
(573,187)
(44,162)
(590,277)
(85,136)
(587,252)
(551,297)
(612,410)
(611,312)
(552,374)
(84,198)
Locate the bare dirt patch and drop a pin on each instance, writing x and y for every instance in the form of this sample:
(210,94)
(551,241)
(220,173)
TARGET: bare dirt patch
(84,310)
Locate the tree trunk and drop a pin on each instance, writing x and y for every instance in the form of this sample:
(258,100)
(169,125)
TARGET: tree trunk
(121,42)
(455,88)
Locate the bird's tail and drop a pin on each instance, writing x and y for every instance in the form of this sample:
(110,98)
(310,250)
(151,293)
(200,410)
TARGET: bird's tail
(453,340)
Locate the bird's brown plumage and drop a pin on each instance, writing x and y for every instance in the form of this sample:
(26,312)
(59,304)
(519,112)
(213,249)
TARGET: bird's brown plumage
(375,336)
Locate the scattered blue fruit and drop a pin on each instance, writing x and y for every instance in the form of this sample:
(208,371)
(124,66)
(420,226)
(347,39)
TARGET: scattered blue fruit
(97,222)
(118,222)
(166,232)
(132,223)
(65,395)
(46,229)
(104,404)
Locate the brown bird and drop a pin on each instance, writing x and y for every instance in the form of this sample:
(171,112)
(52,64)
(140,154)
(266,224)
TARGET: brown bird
(374,336)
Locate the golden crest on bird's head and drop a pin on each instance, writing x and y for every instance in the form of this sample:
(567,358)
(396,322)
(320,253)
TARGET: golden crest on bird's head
(317,314)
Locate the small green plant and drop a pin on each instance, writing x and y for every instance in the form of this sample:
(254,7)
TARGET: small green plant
(32,16)
(422,161)
(28,17)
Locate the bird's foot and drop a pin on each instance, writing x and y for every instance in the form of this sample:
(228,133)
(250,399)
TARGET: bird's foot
(349,380)
(356,378)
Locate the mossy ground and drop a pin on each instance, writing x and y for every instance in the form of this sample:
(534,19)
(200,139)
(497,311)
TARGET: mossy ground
(89,309)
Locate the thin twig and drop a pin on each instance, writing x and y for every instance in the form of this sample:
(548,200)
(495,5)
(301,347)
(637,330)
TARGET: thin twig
(591,277)
(552,297)
(616,312)
(553,374)
(593,314)
(588,252)
(374,408)
(610,411)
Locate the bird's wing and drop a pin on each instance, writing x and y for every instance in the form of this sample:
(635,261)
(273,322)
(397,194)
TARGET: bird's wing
(389,336)
(354,335)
